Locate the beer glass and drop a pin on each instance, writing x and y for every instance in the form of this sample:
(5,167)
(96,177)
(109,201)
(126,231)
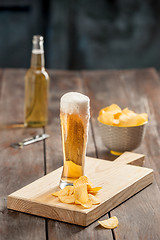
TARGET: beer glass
(74,115)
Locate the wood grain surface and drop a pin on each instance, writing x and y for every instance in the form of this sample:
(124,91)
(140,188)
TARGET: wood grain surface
(119,181)
(139,216)
(138,90)
(18,167)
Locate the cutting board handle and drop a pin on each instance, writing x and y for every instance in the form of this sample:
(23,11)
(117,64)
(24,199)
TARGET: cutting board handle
(131,158)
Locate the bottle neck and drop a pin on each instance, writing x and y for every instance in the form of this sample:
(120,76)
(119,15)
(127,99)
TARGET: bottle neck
(37,59)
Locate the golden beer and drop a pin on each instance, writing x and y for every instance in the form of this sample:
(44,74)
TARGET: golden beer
(74,126)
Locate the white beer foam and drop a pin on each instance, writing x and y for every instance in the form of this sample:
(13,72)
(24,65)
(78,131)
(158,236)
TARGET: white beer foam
(74,102)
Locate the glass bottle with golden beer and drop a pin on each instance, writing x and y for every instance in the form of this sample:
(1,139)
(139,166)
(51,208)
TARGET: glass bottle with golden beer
(74,115)
(36,87)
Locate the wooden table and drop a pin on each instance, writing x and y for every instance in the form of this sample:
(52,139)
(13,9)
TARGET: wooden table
(139,217)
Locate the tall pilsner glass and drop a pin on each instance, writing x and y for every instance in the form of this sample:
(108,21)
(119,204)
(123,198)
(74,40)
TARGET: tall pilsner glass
(74,115)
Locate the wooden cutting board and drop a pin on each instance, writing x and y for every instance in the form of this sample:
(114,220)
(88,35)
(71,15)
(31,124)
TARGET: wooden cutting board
(119,180)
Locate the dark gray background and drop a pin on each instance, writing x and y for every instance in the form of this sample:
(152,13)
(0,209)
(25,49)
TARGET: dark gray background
(82,34)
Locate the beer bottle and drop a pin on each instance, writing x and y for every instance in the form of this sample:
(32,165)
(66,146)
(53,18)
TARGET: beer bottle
(36,87)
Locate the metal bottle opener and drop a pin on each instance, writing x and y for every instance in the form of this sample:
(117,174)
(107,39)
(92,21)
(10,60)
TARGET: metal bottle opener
(30,140)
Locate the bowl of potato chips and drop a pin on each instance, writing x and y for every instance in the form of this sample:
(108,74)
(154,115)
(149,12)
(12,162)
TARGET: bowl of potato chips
(121,130)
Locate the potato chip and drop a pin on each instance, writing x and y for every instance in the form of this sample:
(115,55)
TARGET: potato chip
(88,204)
(80,192)
(67,199)
(127,118)
(115,122)
(80,180)
(106,115)
(93,190)
(126,111)
(68,190)
(114,108)
(83,179)
(110,223)
(142,118)
(116,116)
(113,115)
(106,118)
(132,119)
(93,199)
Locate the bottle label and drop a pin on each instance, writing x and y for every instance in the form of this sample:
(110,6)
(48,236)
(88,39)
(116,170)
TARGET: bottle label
(37,51)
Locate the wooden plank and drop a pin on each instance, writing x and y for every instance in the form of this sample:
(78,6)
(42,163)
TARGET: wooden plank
(18,167)
(62,82)
(119,181)
(146,91)
(138,90)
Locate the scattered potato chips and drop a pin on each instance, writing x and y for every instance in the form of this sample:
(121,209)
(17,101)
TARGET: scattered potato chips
(80,193)
(110,223)
(67,191)
(67,199)
(115,116)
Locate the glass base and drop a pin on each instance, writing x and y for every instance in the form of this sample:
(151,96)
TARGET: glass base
(63,184)
(115,153)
